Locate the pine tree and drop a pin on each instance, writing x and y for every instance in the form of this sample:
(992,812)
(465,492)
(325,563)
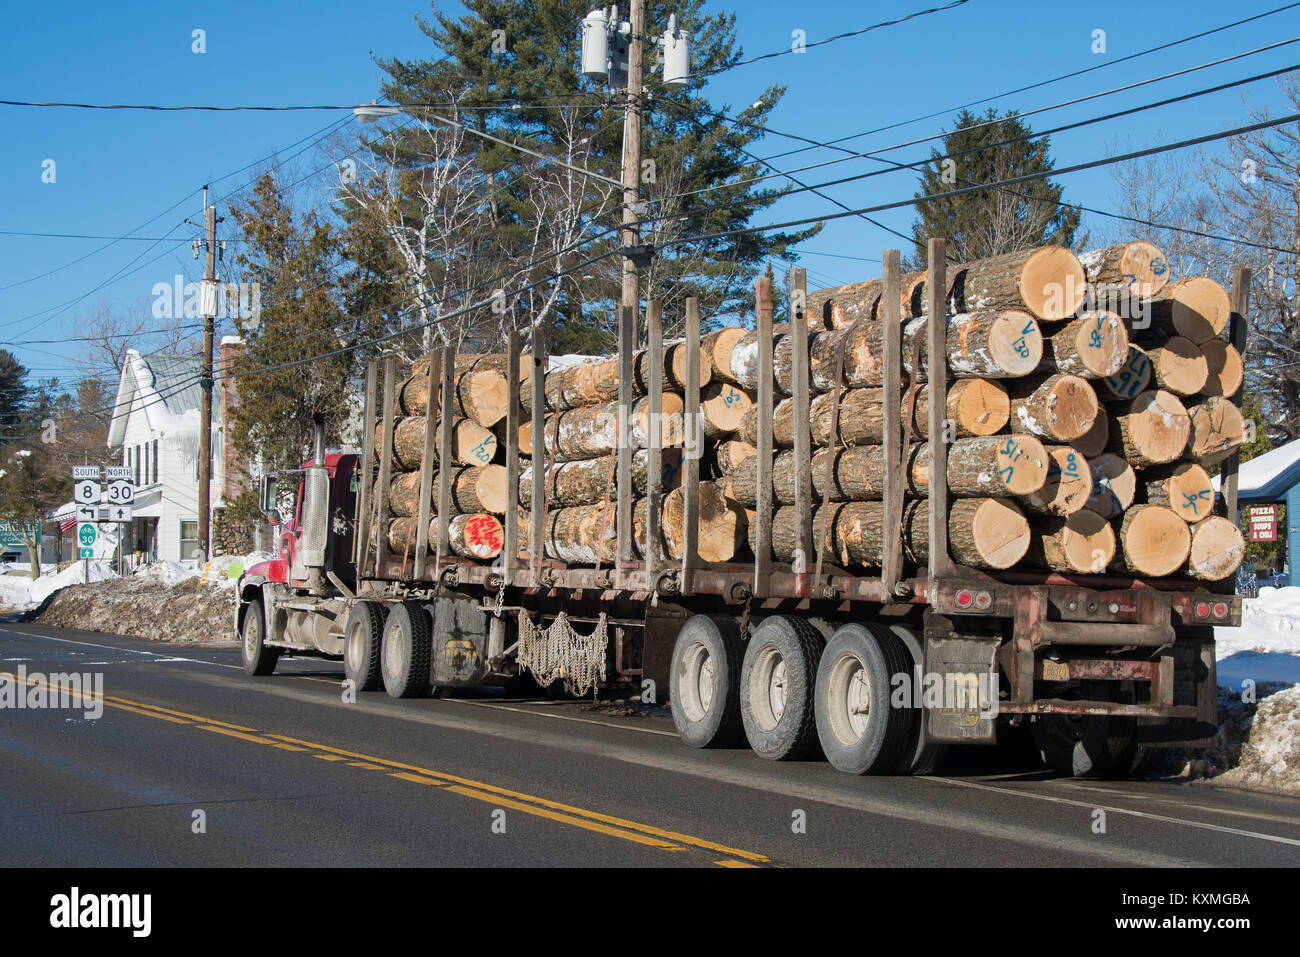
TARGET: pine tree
(301,322)
(12,391)
(989,222)
(512,67)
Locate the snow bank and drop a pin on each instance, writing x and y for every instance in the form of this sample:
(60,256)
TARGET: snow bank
(74,574)
(166,573)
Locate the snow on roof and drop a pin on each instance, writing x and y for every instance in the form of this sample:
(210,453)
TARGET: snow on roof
(165,388)
(1267,477)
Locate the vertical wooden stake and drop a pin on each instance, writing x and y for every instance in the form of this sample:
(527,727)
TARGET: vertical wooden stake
(537,544)
(892,440)
(444,456)
(693,428)
(1240,299)
(626,369)
(654,455)
(800,389)
(766,386)
(511,555)
(432,381)
(367,474)
(936,285)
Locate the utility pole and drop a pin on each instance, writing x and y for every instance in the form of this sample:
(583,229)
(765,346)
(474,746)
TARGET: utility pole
(208,300)
(632,160)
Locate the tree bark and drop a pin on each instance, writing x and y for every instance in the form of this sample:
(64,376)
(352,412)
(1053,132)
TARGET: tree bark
(992,466)
(592,431)
(841,306)
(1049,281)
(471,443)
(589,481)
(729,454)
(473,489)
(995,344)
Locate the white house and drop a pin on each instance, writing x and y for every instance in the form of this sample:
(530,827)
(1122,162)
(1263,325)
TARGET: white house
(155,427)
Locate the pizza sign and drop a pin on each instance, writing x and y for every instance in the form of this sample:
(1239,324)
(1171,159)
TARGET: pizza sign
(1262,523)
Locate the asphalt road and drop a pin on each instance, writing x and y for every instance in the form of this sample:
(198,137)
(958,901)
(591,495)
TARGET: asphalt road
(286,773)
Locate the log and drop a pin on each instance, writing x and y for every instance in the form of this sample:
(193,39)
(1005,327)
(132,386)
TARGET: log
(1082,543)
(994,344)
(1093,442)
(589,481)
(1125,273)
(1059,408)
(1184,487)
(1217,549)
(729,454)
(1114,485)
(1049,281)
(722,524)
(1151,430)
(995,465)
(1196,308)
(1093,346)
(861,419)
(857,474)
(744,357)
(841,306)
(723,408)
(587,534)
(1068,485)
(673,370)
(1178,365)
(1217,430)
(1153,540)
(482,396)
(717,347)
(1130,380)
(912,289)
(863,346)
(982,532)
(471,443)
(974,407)
(592,431)
(473,489)
(1224,369)
(469,536)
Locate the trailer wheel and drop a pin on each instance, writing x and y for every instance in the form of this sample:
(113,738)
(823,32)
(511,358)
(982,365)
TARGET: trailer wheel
(776,688)
(363,640)
(704,682)
(259,660)
(407,649)
(859,730)
(919,756)
(1087,746)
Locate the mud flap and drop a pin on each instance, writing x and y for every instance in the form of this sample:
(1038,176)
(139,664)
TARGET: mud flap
(960,684)
(460,640)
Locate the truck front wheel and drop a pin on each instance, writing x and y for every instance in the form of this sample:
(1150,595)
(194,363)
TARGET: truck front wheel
(407,647)
(776,688)
(259,660)
(859,730)
(704,683)
(363,640)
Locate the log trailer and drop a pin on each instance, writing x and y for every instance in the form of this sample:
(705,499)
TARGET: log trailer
(884,670)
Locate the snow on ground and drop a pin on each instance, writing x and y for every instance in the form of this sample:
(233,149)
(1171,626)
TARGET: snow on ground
(46,585)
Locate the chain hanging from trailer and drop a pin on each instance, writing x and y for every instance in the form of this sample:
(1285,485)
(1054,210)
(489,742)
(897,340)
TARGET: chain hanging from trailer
(561,652)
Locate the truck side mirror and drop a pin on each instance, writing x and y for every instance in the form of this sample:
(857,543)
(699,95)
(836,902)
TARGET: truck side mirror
(266,499)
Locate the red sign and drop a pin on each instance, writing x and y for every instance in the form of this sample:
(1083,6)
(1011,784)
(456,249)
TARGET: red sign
(1262,523)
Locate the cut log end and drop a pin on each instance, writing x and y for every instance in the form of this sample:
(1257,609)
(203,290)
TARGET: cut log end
(1068,484)
(1082,543)
(1052,283)
(1154,541)
(1152,430)
(1217,549)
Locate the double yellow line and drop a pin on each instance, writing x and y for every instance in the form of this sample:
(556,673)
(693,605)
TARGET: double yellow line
(609,825)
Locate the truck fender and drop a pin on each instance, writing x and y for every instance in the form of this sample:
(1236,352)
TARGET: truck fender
(249,589)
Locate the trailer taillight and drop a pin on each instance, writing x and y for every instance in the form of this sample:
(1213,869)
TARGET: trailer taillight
(965,599)
(1220,609)
(1202,609)
(983,600)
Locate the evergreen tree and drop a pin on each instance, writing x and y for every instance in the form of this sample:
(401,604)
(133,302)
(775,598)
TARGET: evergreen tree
(989,222)
(290,256)
(13,387)
(512,68)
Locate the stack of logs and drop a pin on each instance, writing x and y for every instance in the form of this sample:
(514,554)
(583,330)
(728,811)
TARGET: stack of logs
(1089,395)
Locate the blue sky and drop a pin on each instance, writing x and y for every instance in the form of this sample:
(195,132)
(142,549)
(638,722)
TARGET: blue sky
(118,170)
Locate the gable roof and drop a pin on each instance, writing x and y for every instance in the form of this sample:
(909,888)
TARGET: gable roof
(1266,478)
(163,387)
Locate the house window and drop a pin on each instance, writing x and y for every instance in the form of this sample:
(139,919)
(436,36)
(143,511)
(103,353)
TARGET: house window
(155,461)
(189,541)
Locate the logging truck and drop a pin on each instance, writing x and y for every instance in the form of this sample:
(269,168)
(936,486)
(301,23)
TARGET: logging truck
(782,568)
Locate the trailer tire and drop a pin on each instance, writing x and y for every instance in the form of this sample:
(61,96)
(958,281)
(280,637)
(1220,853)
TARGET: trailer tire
(407,650)
(259,660)
(1087,746)
(859,730)
(776,688)
(704,682)
(363,639)
(920,756)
